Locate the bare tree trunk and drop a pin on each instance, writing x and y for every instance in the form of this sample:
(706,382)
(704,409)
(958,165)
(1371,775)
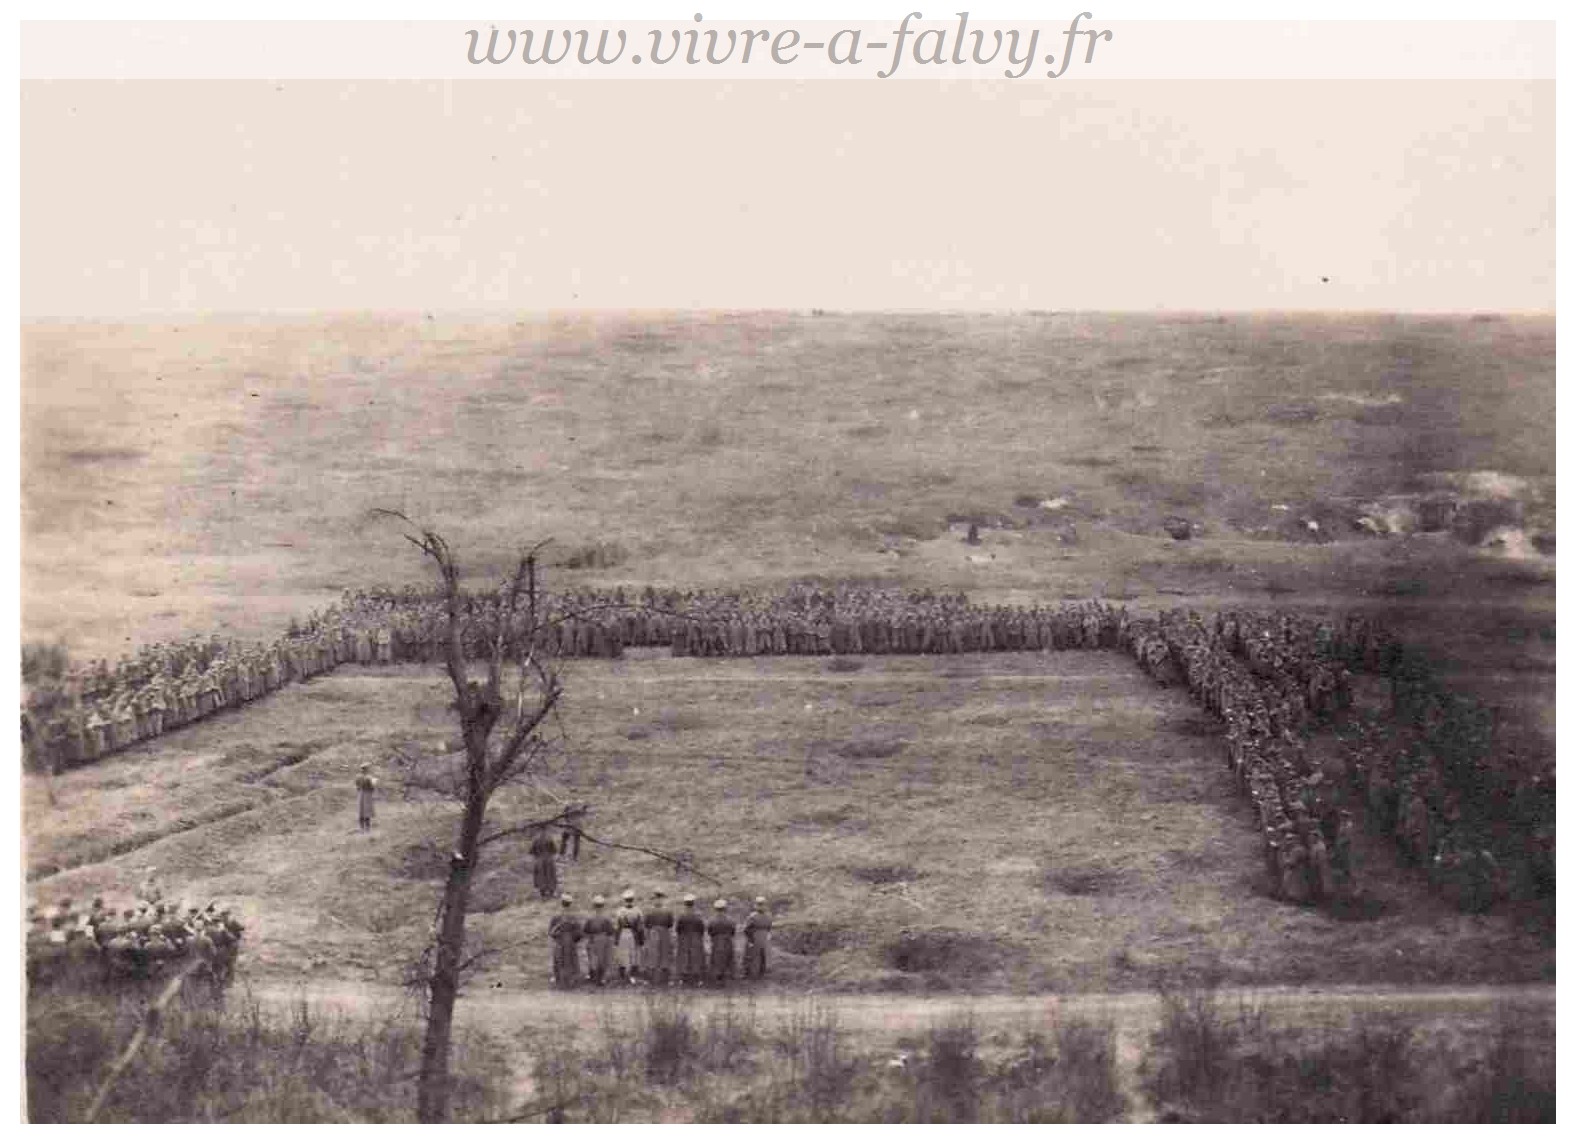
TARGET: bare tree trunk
(432,1095)
(480,705)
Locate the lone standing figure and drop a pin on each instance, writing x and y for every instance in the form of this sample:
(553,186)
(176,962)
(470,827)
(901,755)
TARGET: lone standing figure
(365,786)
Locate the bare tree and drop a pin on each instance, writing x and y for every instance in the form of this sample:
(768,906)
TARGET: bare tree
(502,715)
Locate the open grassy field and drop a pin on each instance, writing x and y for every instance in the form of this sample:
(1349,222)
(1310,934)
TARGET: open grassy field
(218,473)
(1027,822)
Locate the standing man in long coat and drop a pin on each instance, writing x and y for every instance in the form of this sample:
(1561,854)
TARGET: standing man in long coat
(721,930)
(1341,856)
(757,937)
(629,931)
(599,942)
(565,931)
(365,786)
(657,954)
(691,930)
(544,869)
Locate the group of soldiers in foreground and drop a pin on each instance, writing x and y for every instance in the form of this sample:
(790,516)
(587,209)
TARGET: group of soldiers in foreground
(656,945)
(140,942)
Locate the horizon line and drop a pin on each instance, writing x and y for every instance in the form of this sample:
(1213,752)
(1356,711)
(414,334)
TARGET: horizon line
(434,313)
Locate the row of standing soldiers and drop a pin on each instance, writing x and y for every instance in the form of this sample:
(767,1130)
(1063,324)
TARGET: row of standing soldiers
(165,687)
(1266,700)
(655,945)
(1269,677)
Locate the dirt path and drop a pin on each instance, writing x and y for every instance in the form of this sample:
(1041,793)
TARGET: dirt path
(499,1010)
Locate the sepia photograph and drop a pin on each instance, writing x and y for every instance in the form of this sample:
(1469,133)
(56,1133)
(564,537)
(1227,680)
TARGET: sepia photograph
(948,567)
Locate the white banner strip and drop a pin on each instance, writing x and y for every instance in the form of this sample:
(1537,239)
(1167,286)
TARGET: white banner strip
(926,46)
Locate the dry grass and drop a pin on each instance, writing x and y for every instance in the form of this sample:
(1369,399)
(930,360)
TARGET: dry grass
(237,1061)
(1215,1063)
(221,472)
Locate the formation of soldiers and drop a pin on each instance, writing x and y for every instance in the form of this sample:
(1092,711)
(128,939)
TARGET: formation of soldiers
(165,687)
(1427,775)
(138,942)
(656,945)
(1266,683)
(1422,775)
(857,620)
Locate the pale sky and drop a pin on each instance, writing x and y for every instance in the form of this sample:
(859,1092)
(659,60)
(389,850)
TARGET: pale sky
(155,197)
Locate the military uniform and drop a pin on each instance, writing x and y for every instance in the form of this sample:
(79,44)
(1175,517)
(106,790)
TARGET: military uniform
(657,954)
(598,931)
(366,785)
(721,929)
(757,938)
(629,929)
(566,931)
(544,867)
(690,929)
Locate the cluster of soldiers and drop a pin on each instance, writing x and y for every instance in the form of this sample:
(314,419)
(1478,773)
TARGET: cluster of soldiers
(411,625)
(655,945)
(169,686)
(1408,797)
(1268,677)
(1308,832)
(139,942)
(870,621)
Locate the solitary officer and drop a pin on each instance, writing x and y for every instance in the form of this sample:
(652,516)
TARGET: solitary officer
(365,786)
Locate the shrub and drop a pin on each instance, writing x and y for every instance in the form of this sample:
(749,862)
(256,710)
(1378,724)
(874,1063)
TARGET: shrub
(949,1076)
(821,1073)
(1071,1079)
(1193,1049)
(669,1042)
(233,1061)
(1514,1081)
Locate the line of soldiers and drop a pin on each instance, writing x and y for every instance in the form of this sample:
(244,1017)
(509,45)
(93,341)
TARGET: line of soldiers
(1308,832)
(656,945)
(139,942)
(1429,774)
(1270,676)
(170,686)
(164,687)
